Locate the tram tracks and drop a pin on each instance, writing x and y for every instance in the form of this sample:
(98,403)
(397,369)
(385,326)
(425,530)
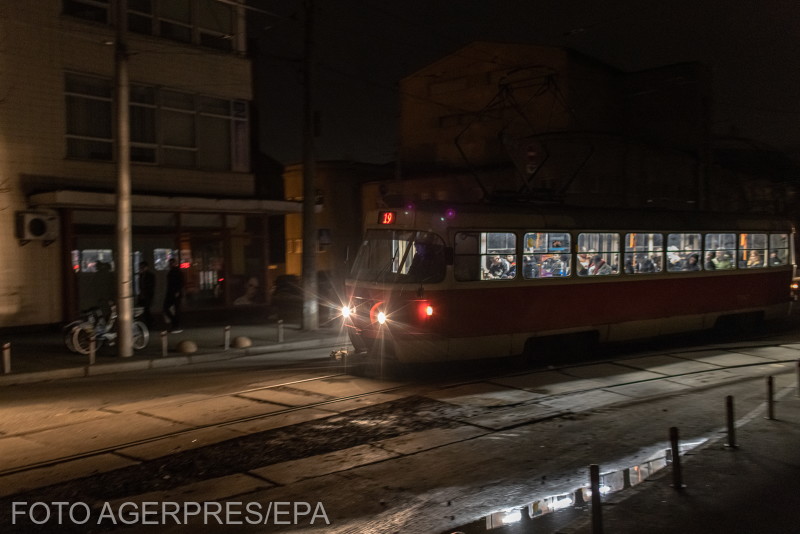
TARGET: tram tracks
(415,389)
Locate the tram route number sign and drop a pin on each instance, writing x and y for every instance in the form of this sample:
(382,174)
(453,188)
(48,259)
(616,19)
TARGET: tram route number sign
(387,217)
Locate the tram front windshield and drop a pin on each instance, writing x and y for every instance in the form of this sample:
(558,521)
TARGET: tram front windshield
(401,256)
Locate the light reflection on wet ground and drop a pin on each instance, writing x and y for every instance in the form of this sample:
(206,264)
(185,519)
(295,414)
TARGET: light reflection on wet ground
(540,514)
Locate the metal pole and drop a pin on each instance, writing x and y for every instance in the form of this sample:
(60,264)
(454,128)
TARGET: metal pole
(770,397)
(6,358)
(227,341)
(164,344)
(677,474)
(797,393)
(597,510)
(729,419)
(280,330)
(123,260)
(310,238)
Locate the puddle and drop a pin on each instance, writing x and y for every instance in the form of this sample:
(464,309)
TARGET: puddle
(537,514)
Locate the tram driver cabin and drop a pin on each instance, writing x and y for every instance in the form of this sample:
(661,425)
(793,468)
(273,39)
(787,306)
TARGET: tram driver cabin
(439,282)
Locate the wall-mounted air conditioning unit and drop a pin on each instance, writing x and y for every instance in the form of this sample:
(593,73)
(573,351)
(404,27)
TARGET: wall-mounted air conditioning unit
(37,226)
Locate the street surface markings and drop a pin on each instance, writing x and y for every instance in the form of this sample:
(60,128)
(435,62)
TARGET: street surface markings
(211,490)
(214,410)
(345,386)
(580,402)
(104,433)
(428,439)
(547,383)
(20,451)
(610,373)
(323,464)
(511,417)
(651,388)
(483,394)
(287,396)
(63,472)
(180,443)
(668,365)
(270,422)
(721,358)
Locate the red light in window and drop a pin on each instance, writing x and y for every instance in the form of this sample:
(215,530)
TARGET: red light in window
(185,265)
(387,217)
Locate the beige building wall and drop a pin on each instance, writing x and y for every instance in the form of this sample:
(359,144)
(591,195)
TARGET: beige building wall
(37,46)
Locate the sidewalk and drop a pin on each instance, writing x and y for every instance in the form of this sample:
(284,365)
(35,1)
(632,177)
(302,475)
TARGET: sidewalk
(42,356)
(750,489)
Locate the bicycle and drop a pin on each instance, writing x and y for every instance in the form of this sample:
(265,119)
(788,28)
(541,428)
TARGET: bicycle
(78,334)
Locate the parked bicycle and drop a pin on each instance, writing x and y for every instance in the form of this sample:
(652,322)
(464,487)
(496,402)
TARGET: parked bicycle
(78,334)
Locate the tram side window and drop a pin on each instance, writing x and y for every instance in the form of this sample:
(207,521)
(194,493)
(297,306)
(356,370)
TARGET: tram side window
(498,255)
(643,253)
(546,255)
(598,254)
(720,251)
(752,250)
(684,252)
(778,250)
(484,256)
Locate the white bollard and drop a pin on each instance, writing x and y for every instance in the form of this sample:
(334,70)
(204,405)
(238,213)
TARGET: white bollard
(227,341)
(280,330)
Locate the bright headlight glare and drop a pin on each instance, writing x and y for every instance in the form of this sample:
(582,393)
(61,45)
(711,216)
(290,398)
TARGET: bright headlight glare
(346,311)
(381,318)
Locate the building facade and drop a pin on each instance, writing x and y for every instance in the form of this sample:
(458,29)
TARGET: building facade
(193,189)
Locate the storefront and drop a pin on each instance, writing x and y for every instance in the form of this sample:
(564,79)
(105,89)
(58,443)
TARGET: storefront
(222,246)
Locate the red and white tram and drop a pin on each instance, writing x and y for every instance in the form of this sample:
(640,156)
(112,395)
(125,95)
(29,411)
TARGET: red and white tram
(475,281)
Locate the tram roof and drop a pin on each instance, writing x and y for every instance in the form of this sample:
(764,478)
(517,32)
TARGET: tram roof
(533,216)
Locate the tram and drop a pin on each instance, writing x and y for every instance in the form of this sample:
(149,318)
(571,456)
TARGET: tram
(436,282)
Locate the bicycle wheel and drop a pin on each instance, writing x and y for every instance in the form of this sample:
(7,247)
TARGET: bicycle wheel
(68,331)
(141,335)
(81,337)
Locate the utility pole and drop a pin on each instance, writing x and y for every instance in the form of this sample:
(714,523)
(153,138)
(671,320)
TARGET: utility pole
(310,311)
(124,271)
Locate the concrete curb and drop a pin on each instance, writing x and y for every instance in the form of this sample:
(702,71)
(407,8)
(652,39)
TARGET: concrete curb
(158,363)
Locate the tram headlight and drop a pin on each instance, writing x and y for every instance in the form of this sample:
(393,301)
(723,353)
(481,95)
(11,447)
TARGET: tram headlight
(381,318)
(347,311)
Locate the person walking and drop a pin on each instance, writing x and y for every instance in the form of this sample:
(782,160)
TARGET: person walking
(172,298)
(147,291)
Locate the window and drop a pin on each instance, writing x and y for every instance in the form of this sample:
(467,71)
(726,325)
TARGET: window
(720,251)
(752,251)
(485,256)
(684,252)
(598,254)
(643,253)
(89,117)
(546,255)
(209,23)
(400,256)
(96,260)
(778,250)
(167,127)
(161,257)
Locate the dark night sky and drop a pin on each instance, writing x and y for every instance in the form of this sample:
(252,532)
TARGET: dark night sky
(364,47)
